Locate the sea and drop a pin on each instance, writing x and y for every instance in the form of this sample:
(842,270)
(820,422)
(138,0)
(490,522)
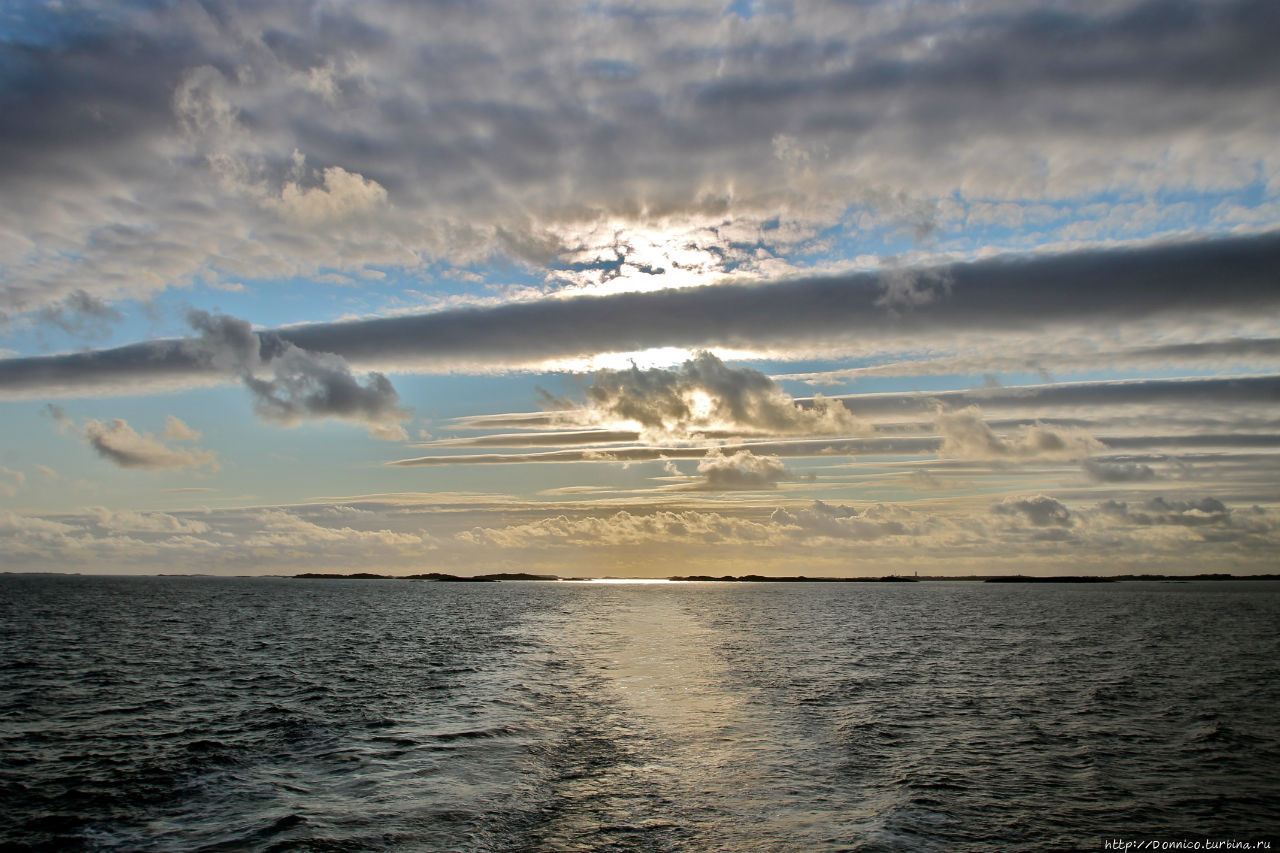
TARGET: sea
(281,714)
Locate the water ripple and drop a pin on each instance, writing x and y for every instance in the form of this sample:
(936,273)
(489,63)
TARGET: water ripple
(158,714)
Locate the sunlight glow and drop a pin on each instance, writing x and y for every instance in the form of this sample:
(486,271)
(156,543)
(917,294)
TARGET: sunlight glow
(644,359)
(617,257)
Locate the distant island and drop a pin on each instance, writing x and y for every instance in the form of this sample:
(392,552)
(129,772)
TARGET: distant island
(1057,579)
(525,576)
(430,576)
(1113,578)
(794,579)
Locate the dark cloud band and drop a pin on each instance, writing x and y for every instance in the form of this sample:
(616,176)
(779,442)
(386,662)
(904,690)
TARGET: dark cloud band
(1099,288)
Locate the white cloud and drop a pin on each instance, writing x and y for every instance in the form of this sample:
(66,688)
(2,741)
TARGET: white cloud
(743,470)
(123,520)
(32,526)
(388,432)
(283,529)
(122,445)
(176,430)
(340,194)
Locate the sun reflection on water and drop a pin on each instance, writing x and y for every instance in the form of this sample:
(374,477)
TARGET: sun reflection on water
(623,580)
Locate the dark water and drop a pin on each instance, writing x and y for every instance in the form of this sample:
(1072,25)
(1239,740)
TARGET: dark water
(272,714)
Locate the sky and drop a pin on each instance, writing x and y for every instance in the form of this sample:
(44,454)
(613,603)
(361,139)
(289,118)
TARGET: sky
(640,287)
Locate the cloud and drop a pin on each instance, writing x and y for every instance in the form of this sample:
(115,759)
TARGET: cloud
(843,522)
(782,448)
(1160,511)
(303,385)
(11,481)
(743,470)
(906,289)
(340,194)
(224,343)
(60,416)
(176,430)
(396,533)
(986,297)
(145,522)
(889,445)
(1198,281)
(32,526)
(539,439)
(122,445)
(965,435)
(1118,471)
(272,539)
(705,394)
(80,313)
(1039,510)
(283,529)
(307,385)
(1186,523)
(1230,352)
(389,432)
(244,132)
(623,528)
(1192,394)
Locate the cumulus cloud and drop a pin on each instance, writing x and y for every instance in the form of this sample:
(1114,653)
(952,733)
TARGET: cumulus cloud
(130,521)
(705,394)
(1159,510)
(407,533)
(743,470)
(1038,510)
(271,539)
(624,528)
(843,522)
(122,445)
(33,526)
(283,529)
(340,194)
(965,435)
